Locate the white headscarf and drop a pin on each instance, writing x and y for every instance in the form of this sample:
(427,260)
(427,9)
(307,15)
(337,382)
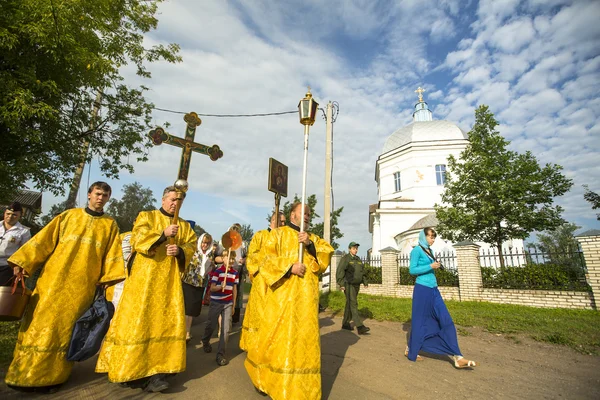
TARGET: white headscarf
(204,258)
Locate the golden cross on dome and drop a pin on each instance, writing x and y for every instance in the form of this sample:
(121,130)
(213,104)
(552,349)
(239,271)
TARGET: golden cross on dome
(420,91)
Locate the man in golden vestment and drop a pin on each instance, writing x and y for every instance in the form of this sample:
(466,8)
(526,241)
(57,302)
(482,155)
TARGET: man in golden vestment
(146,339)
(78,249)
(286,361)
(254,308)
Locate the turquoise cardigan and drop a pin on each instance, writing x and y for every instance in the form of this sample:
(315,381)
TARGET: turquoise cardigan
(420,265)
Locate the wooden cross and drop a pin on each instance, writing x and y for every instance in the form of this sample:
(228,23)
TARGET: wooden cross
(420,91)
(188,145)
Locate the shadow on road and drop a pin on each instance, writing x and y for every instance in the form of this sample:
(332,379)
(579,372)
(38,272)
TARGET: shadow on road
(334,346)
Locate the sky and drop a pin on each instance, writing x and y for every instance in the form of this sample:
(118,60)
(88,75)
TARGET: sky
(535,63)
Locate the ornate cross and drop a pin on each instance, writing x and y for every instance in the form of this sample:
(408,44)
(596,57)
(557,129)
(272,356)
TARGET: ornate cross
(420,91)
(188,145)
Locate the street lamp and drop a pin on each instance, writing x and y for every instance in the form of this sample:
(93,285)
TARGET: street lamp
(307,110)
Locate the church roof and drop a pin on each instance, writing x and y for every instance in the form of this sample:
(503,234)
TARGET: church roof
(426,131)
(426,222)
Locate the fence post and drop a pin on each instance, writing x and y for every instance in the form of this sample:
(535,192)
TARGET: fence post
(335,261)
(470,284)
(590,245)
(389,267)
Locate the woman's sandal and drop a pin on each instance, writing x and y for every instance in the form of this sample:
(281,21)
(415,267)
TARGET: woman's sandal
(468,364)
(419,358)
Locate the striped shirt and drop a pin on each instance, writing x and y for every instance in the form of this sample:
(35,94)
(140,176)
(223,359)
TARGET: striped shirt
(217,277)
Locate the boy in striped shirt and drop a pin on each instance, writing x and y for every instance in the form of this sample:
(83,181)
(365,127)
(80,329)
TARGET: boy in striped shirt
(223,293)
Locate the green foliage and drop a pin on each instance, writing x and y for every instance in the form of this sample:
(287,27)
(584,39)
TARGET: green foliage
(536,276)
(593,198)
(577,329)
(199,231)
(318,228)
(135,199)
(445,277)
(493,194)
(560,245)
(372,274)
(246,232)
(55,210)
(56,56)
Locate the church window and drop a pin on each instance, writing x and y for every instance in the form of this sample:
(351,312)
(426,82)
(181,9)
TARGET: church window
(440,174)
(397,181)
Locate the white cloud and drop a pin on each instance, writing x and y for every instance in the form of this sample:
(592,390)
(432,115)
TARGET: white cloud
(512,37)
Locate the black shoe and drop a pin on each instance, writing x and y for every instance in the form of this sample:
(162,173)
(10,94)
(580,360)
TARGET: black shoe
(222,360)
(321,308)
(206,347)
(135,384)
(362,330)
(156,383)
(260,391)
(347,327)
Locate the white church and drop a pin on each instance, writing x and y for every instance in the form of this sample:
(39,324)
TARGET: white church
(410,175)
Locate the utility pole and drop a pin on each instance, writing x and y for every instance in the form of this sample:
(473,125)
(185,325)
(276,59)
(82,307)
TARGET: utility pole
(85,147)
(328,162)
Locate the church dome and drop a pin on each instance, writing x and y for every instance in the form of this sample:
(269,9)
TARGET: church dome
(426,131)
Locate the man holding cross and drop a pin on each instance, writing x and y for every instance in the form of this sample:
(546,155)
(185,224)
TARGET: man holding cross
(146,340)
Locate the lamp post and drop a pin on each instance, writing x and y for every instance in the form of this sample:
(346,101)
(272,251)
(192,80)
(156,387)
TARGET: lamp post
(307,110)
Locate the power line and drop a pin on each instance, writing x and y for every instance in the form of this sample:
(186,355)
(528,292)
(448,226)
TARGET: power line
(228,115)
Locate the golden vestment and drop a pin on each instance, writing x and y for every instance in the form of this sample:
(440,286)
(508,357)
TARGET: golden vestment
(78,251)
(286,361)
(147,333)
(254,308)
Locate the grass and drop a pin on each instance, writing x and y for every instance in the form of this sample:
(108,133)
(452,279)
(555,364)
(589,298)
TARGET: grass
(578,329)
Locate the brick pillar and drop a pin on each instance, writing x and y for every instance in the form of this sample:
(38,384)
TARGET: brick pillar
(469,271)
(389,267)
(590,245)
(335,261)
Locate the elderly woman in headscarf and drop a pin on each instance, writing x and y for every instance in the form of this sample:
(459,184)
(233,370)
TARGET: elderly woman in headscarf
(432,328)
(195,278)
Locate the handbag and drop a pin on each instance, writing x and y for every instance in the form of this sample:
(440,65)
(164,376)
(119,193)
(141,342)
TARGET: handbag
(14,299)
(90,328)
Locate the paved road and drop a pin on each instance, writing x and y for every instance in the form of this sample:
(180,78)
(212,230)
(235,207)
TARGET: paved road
(373,367)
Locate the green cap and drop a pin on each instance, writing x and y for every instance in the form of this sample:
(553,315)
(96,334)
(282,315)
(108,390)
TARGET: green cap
(352,244)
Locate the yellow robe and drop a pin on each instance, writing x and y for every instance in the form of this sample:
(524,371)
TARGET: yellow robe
(286,362)
(254,308)
(78,251)
(147,333)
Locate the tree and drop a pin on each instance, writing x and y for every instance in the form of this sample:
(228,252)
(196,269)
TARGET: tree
(317,228)
(135,199)
(246,232)
(493,194)
(53,212)
(559,244)
(199,231)
(56,56)
(593,198)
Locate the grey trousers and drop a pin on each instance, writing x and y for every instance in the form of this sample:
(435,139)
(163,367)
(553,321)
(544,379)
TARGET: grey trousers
(225,311)
(351,309)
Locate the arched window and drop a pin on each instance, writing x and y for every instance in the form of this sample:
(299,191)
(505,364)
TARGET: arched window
(440,174)
(397,183)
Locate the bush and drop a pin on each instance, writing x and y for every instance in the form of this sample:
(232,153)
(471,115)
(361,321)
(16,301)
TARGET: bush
(536,276)
(373,274)
(445,277)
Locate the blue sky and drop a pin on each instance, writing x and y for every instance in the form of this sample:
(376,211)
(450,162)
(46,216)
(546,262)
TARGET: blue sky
(536,64)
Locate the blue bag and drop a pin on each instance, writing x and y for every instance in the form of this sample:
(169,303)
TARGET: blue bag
(90,328)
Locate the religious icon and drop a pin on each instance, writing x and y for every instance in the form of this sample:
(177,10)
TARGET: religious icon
(278,174)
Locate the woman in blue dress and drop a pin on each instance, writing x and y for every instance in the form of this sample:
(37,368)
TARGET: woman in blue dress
(432,328)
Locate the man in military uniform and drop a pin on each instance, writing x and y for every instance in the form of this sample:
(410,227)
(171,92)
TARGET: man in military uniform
(349,275)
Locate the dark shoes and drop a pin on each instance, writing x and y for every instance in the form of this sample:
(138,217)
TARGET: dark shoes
(321,308)
(206,347)
(156,383)
(362,330)
(37,389)
(222,360)
(347,327)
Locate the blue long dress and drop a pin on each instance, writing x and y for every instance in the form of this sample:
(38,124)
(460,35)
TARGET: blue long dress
(432,328)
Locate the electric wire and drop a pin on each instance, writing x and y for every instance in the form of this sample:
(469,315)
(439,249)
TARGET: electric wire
(228,115)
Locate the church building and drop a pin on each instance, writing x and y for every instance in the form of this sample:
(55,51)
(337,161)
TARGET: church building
(410,175)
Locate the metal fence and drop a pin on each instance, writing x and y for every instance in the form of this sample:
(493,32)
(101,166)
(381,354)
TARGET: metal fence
(514,257)
(373,269)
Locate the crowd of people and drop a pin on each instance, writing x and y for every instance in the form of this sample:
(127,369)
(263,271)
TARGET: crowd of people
(160,275)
